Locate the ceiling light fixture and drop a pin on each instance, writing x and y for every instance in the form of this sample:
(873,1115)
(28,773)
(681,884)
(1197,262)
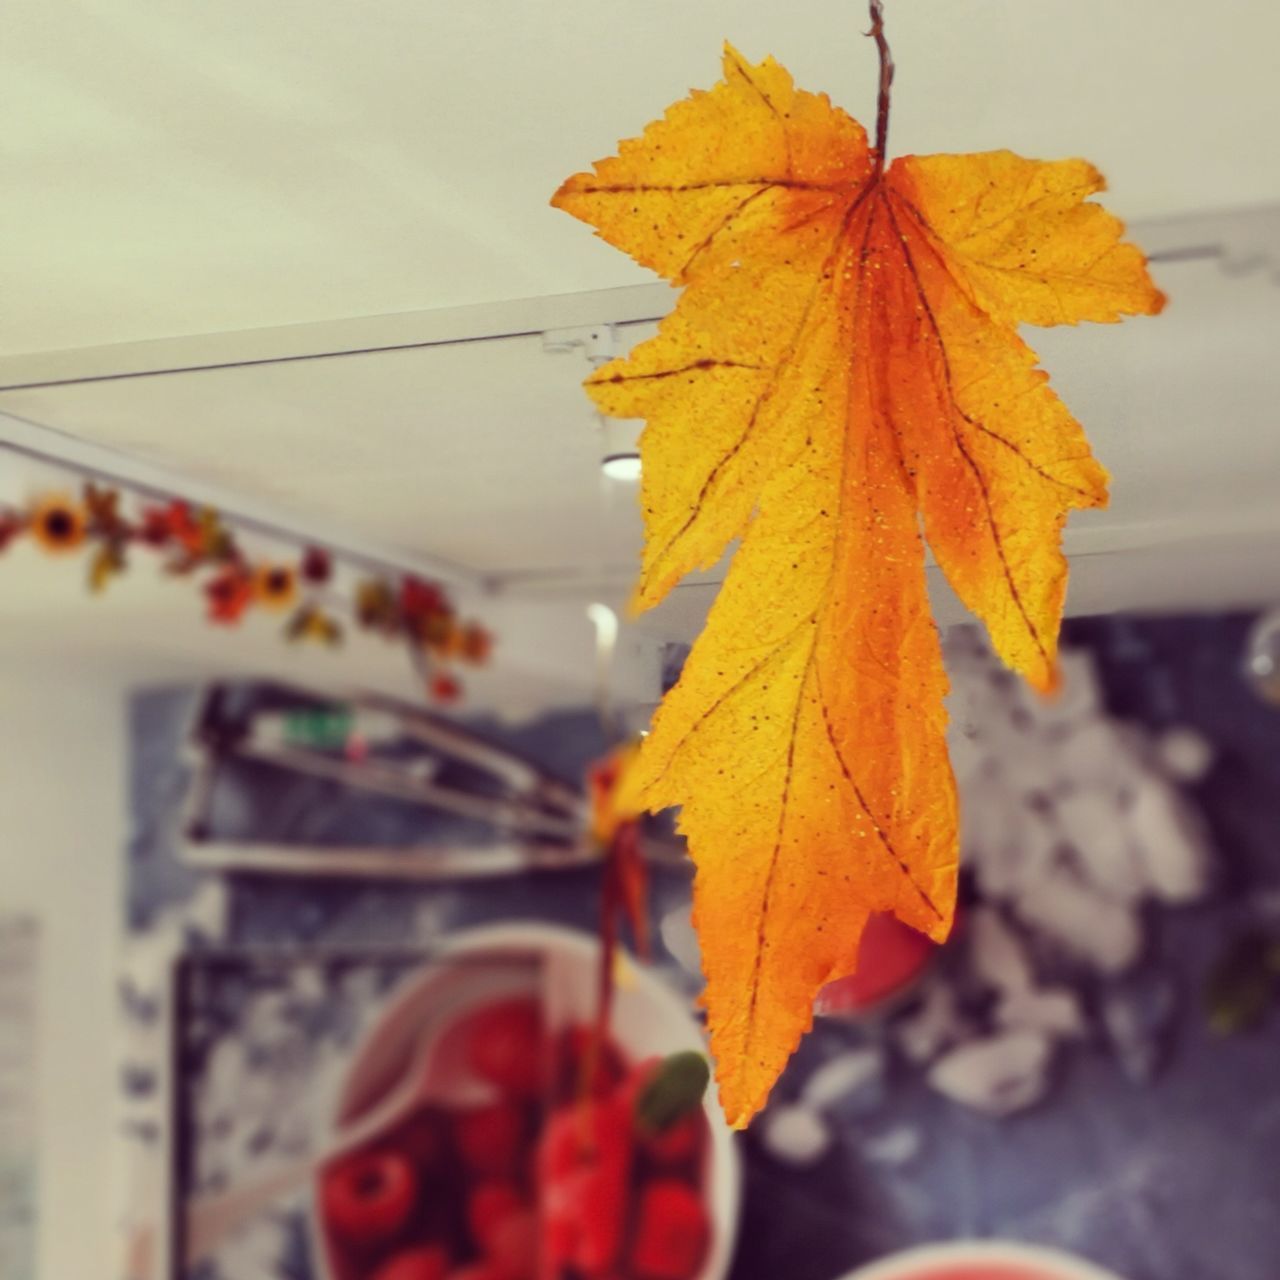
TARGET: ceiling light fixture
(620,459)
(621,466)
(605,621)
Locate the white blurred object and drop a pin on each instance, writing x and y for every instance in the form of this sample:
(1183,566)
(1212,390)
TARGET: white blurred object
(264,1024)
(681,939)
(970,755)
(1025,865)
(796,1134)
(1185,753)
(1008,843)
(996,953)
(856,1074)
(307,984)
(257,1250)
(1091,823)
(360,988)
(897,1146)
(1098,753)
(1103,933)
(224,1075)
(1027,761)
(999,1075)
(1172,841)
(935,1026)
(434,917)
(1053,1010)
(1072,821)
(205,912)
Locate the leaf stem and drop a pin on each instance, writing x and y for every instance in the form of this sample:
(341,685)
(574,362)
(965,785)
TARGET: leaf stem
(886,81)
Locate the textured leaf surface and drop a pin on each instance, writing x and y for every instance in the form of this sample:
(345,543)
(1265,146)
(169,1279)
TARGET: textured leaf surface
(842,368)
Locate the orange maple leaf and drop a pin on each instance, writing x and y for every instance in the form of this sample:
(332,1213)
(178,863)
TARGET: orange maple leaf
(843,364)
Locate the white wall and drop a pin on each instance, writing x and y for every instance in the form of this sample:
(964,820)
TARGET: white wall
(62,832)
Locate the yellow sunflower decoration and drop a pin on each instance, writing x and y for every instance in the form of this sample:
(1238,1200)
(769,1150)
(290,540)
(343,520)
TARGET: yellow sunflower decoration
(275,586)
(58,523)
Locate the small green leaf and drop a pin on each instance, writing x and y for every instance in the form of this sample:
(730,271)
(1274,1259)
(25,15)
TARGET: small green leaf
(676,1088)
(107,562)
(1241,984)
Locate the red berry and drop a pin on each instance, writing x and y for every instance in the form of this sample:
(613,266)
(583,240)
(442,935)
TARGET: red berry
(317,565)
(427,1262)
(490,1139)
(558,1147)
(488,1206)
(675,1146)
(368,1198)
(601,1195)
(583,1164)
(583,1135)
(505,1046)
(229,594)
(513,1247)
(671,1232)
(445,688)
(420,599)
(480,1271)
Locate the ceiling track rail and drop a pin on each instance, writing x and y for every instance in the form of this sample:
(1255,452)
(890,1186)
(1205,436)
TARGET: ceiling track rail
(1192,254)
(1231,238)
(335,340)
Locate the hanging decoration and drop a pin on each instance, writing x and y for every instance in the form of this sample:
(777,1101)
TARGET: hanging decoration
(842,367)
(624,889)
(196,544)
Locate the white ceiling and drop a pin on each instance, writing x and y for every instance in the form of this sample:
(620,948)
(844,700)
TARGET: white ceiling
(208,184)
(192,168)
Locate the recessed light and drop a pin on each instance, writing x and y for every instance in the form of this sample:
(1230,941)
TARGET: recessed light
(620,448)
(605,621)
(621,466)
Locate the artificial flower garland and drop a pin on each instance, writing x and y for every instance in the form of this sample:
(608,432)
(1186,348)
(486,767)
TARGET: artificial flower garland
(197,542)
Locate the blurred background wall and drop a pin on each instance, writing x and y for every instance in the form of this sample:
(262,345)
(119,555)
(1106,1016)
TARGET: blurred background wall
(62,825)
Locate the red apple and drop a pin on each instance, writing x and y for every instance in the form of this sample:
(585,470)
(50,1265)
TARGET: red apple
(368,1198)
(505,1046)
(489,1205)
(671,1232)
(890,958)
(513,1245)
(491,1139)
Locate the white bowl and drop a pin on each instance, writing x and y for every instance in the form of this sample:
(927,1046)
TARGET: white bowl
(648,1020)
(1049,1263)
